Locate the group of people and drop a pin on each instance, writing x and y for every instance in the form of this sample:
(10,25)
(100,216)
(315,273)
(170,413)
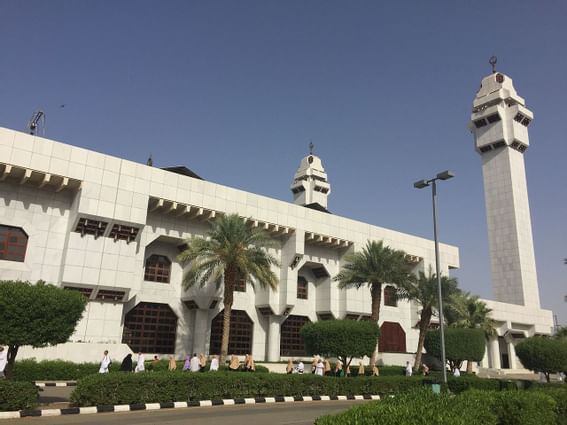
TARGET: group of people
(196,363)
(320,367)
(408,370)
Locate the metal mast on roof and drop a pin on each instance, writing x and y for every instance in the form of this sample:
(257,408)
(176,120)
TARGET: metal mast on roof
(37,119)
(492,61)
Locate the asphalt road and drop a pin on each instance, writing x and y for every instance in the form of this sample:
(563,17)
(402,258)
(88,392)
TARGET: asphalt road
(297,413)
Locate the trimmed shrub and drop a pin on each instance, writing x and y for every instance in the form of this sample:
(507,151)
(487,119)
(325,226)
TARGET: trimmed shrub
(541,354)
(17,395)
(469,408)
(460,344)
(116,388)
(53,370)
(343,339)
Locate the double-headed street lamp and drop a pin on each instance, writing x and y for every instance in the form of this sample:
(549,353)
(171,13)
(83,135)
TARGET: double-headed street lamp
(444,175)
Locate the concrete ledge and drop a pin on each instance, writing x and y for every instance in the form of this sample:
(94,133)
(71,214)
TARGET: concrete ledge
(176,405)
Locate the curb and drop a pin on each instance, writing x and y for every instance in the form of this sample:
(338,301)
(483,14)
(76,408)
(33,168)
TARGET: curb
(42,384)
(178,405)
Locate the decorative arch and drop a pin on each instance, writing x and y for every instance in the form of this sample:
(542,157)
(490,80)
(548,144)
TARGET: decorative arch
(150,328)
(13,243)
(241,331)
(392,338)
(291,342)
(158,269)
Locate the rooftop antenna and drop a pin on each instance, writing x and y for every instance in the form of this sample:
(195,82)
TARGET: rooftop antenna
(311,146)
(37,119)
(150,161)
(492,61)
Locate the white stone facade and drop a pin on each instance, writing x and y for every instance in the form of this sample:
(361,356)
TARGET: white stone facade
(66,185)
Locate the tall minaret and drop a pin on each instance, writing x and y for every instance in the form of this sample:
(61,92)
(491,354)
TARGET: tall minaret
(499,122)
(310,185)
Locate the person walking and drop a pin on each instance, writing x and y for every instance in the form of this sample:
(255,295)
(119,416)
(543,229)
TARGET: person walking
(140,365)
(361,369)
(126,365)
(338,368)
(300,367)
(409,369)
(214,364)
(172,364)
(319,368)
(289,367)
(3,362)
(195,364)
(234,364)
(456,372)
(375,371)
(202,362)
(327,368)
(187,364)
(250,365)
(105,363)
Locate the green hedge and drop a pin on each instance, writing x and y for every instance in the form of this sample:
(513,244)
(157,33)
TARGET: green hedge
(475,407)
(17,395)
(178,386)
(53,370)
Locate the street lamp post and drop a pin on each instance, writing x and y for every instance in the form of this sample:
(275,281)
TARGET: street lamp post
(445,175)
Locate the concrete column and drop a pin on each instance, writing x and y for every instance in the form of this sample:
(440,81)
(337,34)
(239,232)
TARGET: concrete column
(494,353)
(201,331)
(274,339)
(512,354)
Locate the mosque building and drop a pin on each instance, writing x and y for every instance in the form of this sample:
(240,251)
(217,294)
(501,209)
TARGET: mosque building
(111,229)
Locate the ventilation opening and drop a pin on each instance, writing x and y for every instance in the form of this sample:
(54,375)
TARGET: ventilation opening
(486,148)
(499,144)
(493,118)
(91,227)
(480,123)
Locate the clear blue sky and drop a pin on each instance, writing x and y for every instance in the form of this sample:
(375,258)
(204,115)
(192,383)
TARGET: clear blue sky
(235,90)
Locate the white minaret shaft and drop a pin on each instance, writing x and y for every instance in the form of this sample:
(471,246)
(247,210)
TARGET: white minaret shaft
(499,122)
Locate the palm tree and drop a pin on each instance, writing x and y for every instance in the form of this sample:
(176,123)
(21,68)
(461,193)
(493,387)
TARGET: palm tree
(232,252)
(423,290)
(375,265)
(469,311)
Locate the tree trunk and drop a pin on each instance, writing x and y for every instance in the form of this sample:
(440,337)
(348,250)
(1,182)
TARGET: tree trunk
(11,359)
(424,321)
(376,294)
(230,276)
(469,367)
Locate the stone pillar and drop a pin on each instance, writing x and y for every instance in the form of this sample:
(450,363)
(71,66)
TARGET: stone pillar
(494,353)
(274,339)
(512,354)
(201,331)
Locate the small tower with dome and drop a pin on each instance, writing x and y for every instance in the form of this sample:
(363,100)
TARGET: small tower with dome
(310,186)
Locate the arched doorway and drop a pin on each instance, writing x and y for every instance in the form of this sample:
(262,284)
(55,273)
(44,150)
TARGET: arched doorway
(392,338)
(240,338)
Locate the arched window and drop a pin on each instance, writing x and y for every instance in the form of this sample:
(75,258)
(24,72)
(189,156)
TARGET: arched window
(158,269)
(302,288)
(240,337)
(392,338)
(13,243)
(390,296)
(291,342)
(150,328)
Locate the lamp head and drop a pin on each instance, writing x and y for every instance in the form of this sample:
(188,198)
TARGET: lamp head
(420,184)
(445,175)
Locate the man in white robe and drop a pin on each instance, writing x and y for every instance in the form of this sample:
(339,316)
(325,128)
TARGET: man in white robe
(105,363)
(140,366)
(3,362)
